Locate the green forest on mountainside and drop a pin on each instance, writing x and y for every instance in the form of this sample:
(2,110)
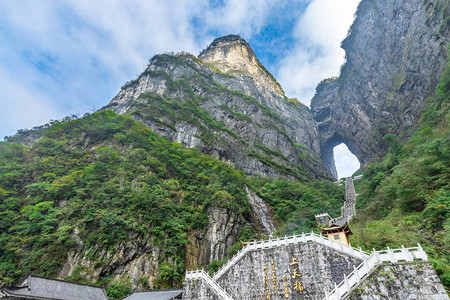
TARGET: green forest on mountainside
(405,198)
(106,178)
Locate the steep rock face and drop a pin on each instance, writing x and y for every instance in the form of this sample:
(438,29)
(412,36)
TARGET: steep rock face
(233,54)
(211,243)
(228,105)
(394,53)
(262,216)
(400,281)
(138,259)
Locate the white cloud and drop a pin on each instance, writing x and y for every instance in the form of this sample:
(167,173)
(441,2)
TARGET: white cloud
(75,54)
(317,53)
(68,57)
(346,162)
(245,17)
(22,108)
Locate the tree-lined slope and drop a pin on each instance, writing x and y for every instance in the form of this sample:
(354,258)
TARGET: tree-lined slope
(405,198)
(104,199)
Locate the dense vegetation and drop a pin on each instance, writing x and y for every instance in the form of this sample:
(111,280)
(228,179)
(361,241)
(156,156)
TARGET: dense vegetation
(102,178)
(92,184)
(405,198)
(296,203)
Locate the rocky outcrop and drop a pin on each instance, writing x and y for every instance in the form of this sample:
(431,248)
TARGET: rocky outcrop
(394,52)
(417,280)
(233,54)
(262,218)
(211,243)
(225,103)
(137,259)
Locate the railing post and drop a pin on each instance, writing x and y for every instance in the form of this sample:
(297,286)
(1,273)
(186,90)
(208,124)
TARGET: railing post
(262,244)
(270,243)
(337,290)
(278,241)
(347,284)
(313,236)
(375,255)
(366,265)
(355,270)
(424,255)
(361,252)
(303,237)
(286,240)
(295,239)
(406,254)
(391,255)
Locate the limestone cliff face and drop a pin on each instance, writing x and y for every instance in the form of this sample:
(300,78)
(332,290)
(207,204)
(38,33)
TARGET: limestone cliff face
(261,214)
(140,259)
(233,54)
(389,281)
(394,54)
(228,105)
(212,242)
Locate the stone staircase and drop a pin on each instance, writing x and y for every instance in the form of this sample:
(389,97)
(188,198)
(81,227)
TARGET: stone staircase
(352,280)
(341,290)
(201,274)
(291,240)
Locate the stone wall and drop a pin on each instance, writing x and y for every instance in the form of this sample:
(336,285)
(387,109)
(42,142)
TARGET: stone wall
(302,271)
(415,280)
(198,289)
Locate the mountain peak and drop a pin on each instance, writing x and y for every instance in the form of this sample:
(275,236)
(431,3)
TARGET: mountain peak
(233,53)
(225,44)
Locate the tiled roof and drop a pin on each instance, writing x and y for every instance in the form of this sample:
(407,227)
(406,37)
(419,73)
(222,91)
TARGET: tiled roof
(35,287)
(155,295)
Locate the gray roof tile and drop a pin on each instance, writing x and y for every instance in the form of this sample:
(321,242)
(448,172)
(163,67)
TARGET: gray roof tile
(155,295)
(35,287)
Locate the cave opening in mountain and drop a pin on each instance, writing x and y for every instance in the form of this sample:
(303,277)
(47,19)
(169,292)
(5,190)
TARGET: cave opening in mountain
(346,162)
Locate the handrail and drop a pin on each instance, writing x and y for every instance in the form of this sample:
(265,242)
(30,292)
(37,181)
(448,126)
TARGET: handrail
(294,239)
(376,258)
(201,274)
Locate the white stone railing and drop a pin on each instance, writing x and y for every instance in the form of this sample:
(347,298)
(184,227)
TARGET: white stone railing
(291,240)
(358,177)
(201,274)
(376,258)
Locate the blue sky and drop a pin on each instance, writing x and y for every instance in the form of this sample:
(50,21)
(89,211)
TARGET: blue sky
(59,58)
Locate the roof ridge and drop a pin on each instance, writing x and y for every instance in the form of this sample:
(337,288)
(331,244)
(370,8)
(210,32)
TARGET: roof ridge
(169,290)
(65,281)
